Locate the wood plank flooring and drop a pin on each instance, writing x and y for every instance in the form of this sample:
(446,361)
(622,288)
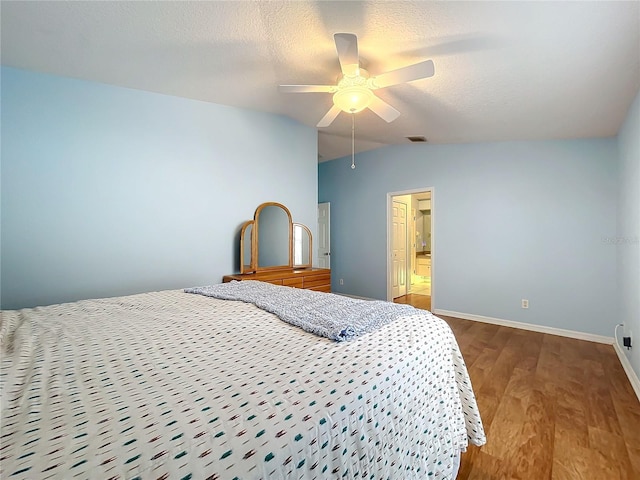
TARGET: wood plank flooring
(418,301)
(552,407)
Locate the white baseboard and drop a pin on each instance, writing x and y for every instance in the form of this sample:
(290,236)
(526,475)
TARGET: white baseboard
(529,326)
(353,296)
(628,369)
(626,365)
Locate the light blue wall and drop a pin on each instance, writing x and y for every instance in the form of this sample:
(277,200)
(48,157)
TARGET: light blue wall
(628,234)
(512,221)
(109,191)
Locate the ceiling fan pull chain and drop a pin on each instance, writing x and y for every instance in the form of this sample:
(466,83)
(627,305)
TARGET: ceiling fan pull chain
(353,141)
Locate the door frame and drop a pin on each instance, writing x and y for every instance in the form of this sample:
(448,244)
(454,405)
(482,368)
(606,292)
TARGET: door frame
(317,252)
(389,251)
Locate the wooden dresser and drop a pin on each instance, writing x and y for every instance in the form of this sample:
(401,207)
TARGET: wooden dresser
(310,278)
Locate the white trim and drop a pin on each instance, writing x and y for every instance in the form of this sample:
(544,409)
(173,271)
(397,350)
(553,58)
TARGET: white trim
(358,297)
(626,365)
(390,196)
(590,337)
(316,253)
(628,369)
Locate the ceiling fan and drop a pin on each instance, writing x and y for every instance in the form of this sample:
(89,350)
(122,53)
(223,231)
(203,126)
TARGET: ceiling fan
(354,91)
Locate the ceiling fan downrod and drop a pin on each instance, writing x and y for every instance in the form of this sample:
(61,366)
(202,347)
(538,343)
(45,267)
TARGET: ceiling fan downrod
(353,141)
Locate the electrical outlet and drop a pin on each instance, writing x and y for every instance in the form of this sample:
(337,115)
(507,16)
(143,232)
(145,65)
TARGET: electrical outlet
(525,303)
(341,281)
(626,341)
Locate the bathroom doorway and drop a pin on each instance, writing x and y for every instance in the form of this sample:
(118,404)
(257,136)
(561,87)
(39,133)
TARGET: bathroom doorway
(419,245)
(420,282)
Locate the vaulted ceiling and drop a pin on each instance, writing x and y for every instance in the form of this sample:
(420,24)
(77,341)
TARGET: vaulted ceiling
(503,70)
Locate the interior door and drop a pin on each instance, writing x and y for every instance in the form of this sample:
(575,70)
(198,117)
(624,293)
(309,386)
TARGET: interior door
(399,249)
(324,235)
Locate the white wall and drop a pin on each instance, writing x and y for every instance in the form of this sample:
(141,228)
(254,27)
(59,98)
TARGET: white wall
(110,191)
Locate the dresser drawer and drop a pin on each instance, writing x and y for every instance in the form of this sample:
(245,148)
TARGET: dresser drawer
(321,288)
(318,279)
(310,282)
(293,282)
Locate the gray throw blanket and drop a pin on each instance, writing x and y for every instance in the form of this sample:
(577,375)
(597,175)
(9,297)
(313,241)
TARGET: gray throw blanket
(333,316)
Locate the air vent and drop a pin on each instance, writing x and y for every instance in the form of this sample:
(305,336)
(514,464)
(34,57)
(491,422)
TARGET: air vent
(416,139)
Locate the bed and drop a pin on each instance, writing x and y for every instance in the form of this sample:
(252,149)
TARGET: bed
(174,385)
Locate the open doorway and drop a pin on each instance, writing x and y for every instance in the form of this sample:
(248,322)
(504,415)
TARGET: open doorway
(324,235)
(410,252)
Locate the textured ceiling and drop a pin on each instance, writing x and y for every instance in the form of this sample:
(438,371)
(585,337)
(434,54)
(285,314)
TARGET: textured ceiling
(504,70)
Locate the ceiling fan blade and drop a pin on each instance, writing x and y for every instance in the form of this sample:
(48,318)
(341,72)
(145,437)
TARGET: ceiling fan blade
(307,88)
(383,109)
(329,117)
(405,74)
(347,47)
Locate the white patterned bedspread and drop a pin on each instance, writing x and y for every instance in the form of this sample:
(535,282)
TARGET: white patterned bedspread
(178,386)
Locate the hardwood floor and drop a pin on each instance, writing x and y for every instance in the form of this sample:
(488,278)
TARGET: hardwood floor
(418,301)
(552,407)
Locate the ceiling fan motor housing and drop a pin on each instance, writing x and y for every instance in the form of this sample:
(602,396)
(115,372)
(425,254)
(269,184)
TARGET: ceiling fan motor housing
(354,93)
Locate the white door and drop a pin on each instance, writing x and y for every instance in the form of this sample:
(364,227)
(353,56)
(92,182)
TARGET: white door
(324,235)
(399,249)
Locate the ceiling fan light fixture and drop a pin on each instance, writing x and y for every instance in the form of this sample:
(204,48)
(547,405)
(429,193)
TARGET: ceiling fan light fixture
(355,87)
(353,99)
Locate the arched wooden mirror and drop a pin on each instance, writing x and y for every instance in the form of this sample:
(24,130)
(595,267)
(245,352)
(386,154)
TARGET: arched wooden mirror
(302,246)
(273,228)
(271,241)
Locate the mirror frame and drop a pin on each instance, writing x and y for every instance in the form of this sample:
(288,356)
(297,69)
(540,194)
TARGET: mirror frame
(244,266)
(251,265)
